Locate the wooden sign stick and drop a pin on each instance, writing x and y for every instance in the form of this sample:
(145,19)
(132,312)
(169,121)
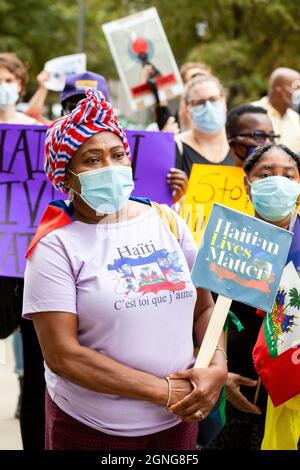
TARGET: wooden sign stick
(213,332)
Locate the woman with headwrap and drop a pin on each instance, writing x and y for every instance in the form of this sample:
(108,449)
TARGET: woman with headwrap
(109,290)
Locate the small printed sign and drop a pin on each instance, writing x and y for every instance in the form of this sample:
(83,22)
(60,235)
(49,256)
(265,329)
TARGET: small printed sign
(141,50)
(62,67)
(241,257)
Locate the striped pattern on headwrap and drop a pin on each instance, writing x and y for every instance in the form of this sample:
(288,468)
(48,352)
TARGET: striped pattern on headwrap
(92,115)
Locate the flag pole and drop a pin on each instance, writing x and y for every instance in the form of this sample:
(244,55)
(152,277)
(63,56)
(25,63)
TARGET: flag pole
(257,391)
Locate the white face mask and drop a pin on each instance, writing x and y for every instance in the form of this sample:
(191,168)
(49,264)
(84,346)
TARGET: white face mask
(209,117)
(9,94)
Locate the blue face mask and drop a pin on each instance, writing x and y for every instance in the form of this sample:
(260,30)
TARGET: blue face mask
(209,117)
(274,197)
(106,190)
(8,94)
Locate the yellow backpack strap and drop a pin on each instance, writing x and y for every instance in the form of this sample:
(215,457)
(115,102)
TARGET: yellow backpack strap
(167,215)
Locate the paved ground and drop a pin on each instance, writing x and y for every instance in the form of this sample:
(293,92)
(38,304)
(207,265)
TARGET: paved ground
(10,437)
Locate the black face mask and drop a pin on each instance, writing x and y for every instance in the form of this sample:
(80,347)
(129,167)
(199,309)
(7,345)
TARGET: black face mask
(249,149)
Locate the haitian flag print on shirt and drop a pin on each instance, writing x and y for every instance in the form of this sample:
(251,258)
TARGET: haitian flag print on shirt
(160,270)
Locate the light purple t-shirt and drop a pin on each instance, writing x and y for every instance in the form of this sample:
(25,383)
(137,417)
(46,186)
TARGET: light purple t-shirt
(129,285)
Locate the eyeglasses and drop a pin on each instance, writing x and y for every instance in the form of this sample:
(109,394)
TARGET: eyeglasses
(212,99)
(260,137)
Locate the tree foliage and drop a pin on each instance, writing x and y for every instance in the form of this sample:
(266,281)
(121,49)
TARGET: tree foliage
(38,30)
(245,40)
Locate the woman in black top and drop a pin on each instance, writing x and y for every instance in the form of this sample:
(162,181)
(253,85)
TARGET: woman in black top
(189,156)
(271,173)
(206,141)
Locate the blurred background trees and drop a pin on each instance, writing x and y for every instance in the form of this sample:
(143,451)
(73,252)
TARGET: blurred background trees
(242,40)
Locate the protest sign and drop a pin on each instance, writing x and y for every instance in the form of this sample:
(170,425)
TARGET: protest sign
(25,191)
(138,41)
(209,184)
(153,154)
(62,67)
(241,258)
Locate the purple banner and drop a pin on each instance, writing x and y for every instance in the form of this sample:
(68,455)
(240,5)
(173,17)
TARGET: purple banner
(152,156)
(25,190)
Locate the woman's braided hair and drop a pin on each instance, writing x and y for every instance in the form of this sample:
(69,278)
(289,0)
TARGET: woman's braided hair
(260,151)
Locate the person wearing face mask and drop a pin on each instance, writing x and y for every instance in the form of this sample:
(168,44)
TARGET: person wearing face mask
(105,280)
(248,127)
(282,104)
(272,183)
(13,77)
(206,141)
(188,71)
(30,408)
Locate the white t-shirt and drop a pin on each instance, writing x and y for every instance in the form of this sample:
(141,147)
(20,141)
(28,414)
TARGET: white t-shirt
(129,284)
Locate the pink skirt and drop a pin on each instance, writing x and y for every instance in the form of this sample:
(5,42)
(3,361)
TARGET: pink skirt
(66,433)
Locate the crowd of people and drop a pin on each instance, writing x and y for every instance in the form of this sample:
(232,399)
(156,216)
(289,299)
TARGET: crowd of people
(118,372)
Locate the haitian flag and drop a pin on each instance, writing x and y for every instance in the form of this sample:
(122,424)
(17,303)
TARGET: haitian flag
(276,354)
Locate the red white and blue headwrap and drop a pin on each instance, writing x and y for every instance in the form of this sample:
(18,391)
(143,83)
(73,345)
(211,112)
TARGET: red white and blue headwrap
(64,137)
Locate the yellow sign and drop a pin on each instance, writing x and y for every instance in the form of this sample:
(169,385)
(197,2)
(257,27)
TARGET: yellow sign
(209,184)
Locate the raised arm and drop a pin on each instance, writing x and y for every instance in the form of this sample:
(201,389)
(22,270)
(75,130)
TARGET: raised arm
(36,103)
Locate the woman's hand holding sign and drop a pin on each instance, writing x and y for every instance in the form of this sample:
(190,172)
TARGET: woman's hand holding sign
(178,182)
